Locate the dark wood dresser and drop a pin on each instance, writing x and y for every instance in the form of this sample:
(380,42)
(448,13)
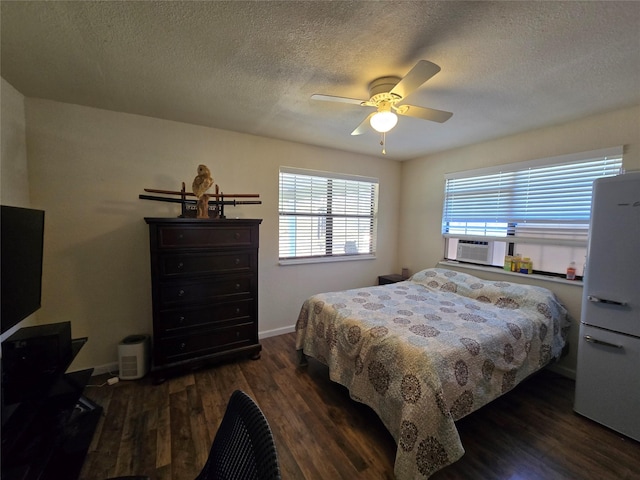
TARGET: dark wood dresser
(204,276)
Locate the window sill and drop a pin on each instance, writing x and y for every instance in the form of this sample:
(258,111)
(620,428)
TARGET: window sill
(342,258)
(545,278)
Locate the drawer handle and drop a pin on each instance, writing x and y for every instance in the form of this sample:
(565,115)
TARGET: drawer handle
(237,334)
(237,286)
(237,235)
(590,339)
(180,236)
(181,293)
(238,310)
(237,261)
(183,346)
(181,319)
(180,266)
(595,299)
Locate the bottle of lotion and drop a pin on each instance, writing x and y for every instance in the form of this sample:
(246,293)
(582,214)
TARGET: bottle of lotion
(571,271)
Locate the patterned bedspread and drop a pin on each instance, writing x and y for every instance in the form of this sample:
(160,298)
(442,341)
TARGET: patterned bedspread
(428,351)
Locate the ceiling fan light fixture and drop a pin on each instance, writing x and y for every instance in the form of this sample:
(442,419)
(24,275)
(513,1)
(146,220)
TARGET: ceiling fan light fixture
(383,121)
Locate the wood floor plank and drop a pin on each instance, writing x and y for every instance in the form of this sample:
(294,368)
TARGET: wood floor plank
(180,383)
(199,431)
(531,433)
(128,446)
(213,404)
(106,455)
(183,454)
(327,416)
(163,438)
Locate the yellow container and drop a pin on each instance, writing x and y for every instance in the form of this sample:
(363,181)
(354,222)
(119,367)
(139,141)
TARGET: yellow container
(515,264)
(508,260)
(526,265)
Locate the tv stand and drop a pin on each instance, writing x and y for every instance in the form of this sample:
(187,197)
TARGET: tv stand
(47,436)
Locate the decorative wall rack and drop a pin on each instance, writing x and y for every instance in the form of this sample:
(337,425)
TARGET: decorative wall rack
(189,207)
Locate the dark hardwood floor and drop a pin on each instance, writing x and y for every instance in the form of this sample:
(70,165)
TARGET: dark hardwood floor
(165,431)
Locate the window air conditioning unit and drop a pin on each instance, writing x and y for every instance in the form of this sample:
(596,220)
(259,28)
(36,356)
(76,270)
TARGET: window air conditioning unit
(475,252)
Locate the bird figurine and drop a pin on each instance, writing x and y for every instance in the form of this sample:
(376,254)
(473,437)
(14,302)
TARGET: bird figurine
(202,206)
(201,184)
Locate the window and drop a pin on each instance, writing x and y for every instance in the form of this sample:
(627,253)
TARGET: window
(540,209)
(326,216)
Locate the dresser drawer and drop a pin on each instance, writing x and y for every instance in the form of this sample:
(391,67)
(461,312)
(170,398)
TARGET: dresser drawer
(204,236)
(205,263)
(181,321)
(176,349)
(172,294)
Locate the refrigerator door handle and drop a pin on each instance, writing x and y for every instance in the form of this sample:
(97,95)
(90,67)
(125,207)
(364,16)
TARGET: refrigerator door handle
(590,339)
(595,299)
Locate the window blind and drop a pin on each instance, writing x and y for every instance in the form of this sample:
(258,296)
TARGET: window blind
(326,215)
(547,199)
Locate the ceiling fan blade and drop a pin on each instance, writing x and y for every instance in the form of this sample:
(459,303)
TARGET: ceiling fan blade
(420,73)
(364,125)
(431,114)
(331,98)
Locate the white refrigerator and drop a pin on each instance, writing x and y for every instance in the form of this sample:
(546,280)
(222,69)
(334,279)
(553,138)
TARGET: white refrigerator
(608,370)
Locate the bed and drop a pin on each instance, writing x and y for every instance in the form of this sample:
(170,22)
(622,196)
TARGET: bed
(425,352)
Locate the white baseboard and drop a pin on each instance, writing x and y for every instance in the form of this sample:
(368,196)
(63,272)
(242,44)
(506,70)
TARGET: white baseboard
(277,331)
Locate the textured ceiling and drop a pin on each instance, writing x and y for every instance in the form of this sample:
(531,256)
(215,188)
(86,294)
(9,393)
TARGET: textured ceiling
(251,67)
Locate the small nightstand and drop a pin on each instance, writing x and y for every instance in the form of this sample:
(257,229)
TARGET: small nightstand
(391,278)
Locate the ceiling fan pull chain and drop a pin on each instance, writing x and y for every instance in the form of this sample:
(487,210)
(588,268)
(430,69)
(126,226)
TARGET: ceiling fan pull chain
(382,142)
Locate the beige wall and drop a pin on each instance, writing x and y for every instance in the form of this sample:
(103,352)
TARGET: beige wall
(88,166)
(14,181)
(420,241)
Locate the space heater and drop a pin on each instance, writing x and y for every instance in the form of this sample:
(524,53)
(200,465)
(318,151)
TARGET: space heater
(133,357)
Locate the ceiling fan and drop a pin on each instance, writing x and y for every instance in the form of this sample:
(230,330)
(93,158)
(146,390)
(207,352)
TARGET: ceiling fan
(385,95)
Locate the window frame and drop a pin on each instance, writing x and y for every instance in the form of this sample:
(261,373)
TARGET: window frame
(612,160)
(329,218)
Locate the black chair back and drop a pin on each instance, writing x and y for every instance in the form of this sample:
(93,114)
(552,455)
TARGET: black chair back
(243,448)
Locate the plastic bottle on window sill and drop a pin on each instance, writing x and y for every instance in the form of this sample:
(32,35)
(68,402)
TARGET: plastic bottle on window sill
(571,271)
(508,261)
(526,266)
(515,263)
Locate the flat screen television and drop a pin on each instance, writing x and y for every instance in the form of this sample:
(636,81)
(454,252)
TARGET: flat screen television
(21,245)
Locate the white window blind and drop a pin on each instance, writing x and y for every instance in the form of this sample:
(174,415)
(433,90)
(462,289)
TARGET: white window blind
(325,214)
(547,200)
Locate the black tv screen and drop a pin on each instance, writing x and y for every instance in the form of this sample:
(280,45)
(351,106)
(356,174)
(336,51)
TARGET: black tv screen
(22,239)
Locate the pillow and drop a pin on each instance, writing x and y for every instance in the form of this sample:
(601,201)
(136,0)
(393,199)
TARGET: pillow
(502,294)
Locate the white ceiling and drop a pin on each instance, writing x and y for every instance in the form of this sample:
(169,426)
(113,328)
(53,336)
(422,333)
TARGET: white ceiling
(251,67)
